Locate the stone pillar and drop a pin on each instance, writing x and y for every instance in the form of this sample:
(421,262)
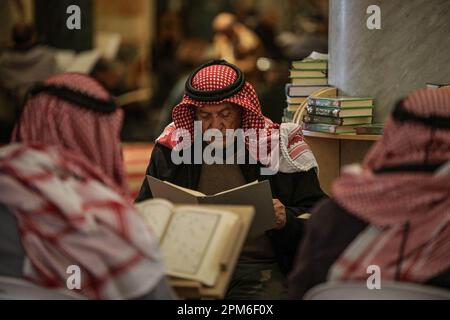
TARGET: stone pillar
(411,48)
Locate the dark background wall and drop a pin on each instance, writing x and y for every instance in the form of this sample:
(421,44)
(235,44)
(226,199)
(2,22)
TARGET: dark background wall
(50,21)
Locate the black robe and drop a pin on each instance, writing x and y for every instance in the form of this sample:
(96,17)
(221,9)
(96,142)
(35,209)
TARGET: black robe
(328,233)
(298,191)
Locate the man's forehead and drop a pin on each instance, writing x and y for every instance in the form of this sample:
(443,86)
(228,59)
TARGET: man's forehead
(214,108)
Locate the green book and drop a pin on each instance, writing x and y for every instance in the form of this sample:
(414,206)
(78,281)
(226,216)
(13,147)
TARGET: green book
(288,116)
(376,128)
(296,100)
(313,73)
(341,102)
(339,112)
(302,91)
(310,64)
(305,81)
(337,121)
(293,106)
(329,128)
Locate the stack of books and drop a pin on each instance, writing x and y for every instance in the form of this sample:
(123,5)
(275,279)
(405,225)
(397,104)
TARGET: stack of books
(306,77)
(339,115)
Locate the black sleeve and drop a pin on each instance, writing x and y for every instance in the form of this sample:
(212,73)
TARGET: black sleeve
(12,253)
(158,168)
(299,192)
(285,241)
(327,234)
(306,192)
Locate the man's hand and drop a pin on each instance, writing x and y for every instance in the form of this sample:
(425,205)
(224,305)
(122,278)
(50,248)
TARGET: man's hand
(280,213)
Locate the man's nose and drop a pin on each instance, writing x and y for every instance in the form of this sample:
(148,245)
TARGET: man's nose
(216,123)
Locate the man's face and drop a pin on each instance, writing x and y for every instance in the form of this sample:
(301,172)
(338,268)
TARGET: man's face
(228,32)
(221,116)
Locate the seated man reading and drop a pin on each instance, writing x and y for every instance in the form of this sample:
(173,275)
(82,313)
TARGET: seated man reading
(222,111)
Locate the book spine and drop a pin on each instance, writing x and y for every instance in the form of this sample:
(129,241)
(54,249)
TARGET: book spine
(321,119)
(306,65)
(329,128)
(323,102)
(304,74)
(302,94)
(321,111)
(369,130)
(287,89)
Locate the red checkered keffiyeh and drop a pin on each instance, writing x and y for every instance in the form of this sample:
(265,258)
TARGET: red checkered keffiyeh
(50,120)
(217,76)
(391,200)
(70,213)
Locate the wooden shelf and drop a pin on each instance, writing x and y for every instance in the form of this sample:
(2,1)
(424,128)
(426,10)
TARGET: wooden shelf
(333,151)
(366,137)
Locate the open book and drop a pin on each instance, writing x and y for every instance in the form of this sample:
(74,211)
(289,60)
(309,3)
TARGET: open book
(70,61)
(318,56)
(256,194)
(198,243)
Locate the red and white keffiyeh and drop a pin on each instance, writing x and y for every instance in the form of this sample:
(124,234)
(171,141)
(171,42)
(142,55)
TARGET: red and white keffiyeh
(295,154)
(50,120)
(71,213)
(390,200)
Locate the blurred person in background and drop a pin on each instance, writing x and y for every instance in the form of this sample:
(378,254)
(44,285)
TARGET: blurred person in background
(191,53)
(26,63)
(314,38)
(237,44)
(168,39)
(266,29)
(272,90)
(111,75)
(21,66)
(13,11)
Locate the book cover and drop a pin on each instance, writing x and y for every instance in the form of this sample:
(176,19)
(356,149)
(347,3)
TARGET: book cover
(293,107)
(341,102)
(376,128)
(338,112)
(329,128)
(313,73)
(191,238)
(256,194)
(288,116)
(306,81)
(310,64)
(296,100)
(302,91)
(200,245)
(335,120)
